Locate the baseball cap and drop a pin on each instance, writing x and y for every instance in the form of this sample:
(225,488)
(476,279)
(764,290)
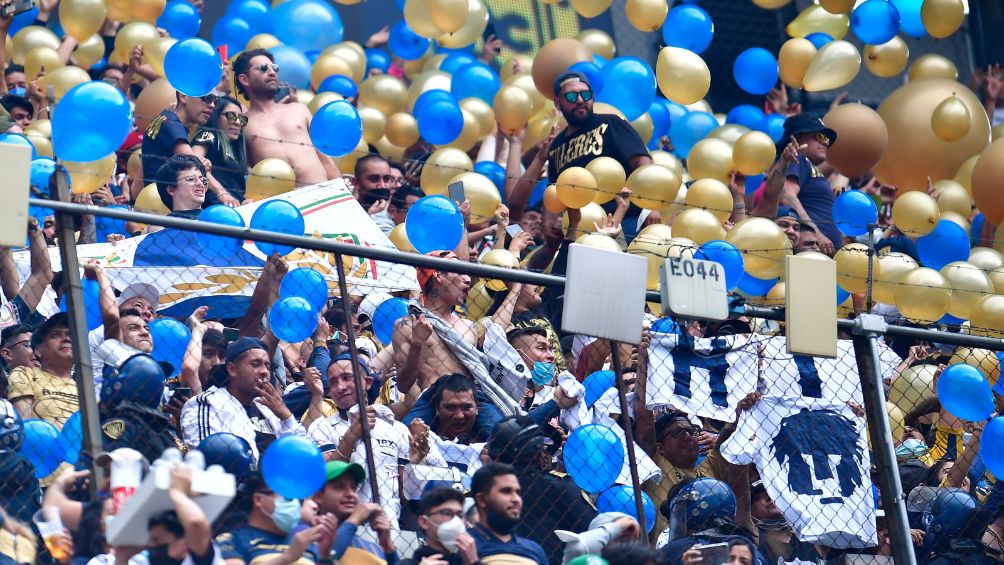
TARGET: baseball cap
(569,77)
(60,319)
(522,327)
(786,212)
(369,304)
(425,274)
(121,454)
(143,290)
(335,469)
(243,345)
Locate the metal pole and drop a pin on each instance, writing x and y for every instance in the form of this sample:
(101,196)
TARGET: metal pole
(868,327)
(629,438)
(364,425)
(77,321)
(871,267)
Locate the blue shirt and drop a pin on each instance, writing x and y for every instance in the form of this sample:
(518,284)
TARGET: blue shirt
(161,136)
(516,551)
(816,196)
(252,545)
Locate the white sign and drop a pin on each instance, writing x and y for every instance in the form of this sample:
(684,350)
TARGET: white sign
(692,288)
(592,306)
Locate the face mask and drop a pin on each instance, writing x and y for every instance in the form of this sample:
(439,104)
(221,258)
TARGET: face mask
(18,91)
(542,373)
(500,522)
(449,531)
(158,556)
(911,449)
(286,514)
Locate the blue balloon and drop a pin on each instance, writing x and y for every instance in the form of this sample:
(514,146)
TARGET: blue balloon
(336,128)
(428,97)
(948,242)
(22,20)
(593,456)
(755,70)
(377,59)
(910,21)
(689,129)
(75,136)
(181,19)
(977,228)
(965,392)
(434,223)
(19,139)
(233,32)
(440,122)
(775,126)
(752,286)
(312,55)
(41,171)
(405,43)
(386,315)
(193,67)
(875,22)
(293,467)
(748,116)
(728,256)
(72,438)
(306,24)
(170,340)
(628,85)
(596,384)
(218,245)
(307,284)
(42,446)
(753,182)
(600,61)
(950,320)
(853,212)
(537,195)
(667,325)
(455,61)
(467,49)
(593,72)
(294,67)
(277,216)
(475,80)
(661,118)
(842,295)
(621,498)
(339,83)
(292,319)
(688,27)
(255,12)
(92,295)
(992,445)
(39,213)
(819,39)
(494,172)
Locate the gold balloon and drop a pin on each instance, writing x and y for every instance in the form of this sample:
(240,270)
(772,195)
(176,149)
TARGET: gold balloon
(983,359)
(42,127)
(513,108)
(915,213)
(326,66)
(441,167)
(933,66)
(610,178)
(430,80)
(952,197)
(862,138)
(893,267)
(653,246)
(385,93)
(644,126)
(729,133)
(958,220)
(374,123)
(951,119)
(575,187)
(656,230)
(923,295)
(482,112)
(499,258)
(915,152)
(82,18)
(474,26)
(710,158)
(133,164)
(88,177)
(153,100)
(133,34)
(39,58)
(322,99)
(482,194)
(852,267)
(896,417)
(591,215)
(553,59)
(793,60)
(348,162)
(670,210)
(590,8)
(302,96)
(997,279)
(986,258)
(551,202)
(815,19)
(771,4)
(525,81)
(599,241)
(599,42)
(352,56)
(119,11)
(835,65)
(42,144)
(63,79)
(262,41)
(681,247)
(987,317)
(416,67)
(538,129)
(754,153)
(418,16)
(399,238)
(774,297)
(987,185)
(697,225)
(838,7)
(652,186)
(969,284)
(154,54)
(997,132)
(964,175)
(646,15)
(147,10)
(888,59)
(913,385)
(270,177)
(761,242)
(28,38)
(389,150)
(711,195)
(148,200)
(401,129)
(521,60)
(682,75)
(999,245)
(604,108)
(668,160)
(942,17)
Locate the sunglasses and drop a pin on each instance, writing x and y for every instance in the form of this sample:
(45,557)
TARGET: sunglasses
(235,118)
(209,99)
(264,67)
(822,138)
(193,180)
(586,95)
(680,433)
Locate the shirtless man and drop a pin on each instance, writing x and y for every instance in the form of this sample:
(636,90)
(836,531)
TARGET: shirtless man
(275,129)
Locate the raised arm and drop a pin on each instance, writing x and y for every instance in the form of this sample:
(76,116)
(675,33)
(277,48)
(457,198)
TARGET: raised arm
(265,293)
(198,531)
(410,336)
(193,353)
(9,280)
(41,268)
(777,183)
(106,300)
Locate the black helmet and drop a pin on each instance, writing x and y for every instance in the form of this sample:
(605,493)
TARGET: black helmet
(230,452)
(516,439)
(11,427)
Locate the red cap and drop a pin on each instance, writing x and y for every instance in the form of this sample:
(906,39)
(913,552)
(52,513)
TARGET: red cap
(425,273)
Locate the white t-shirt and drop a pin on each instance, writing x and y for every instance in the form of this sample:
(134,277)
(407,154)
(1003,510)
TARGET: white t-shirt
(141,558)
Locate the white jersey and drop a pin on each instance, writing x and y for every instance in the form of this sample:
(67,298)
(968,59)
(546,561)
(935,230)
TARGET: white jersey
(814,461)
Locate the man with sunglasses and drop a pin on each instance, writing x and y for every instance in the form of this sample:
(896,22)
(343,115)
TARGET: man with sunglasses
(590,135)
(276,129)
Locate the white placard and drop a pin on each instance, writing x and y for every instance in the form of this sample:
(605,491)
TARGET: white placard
(604,294)
(692,288)
(15,162)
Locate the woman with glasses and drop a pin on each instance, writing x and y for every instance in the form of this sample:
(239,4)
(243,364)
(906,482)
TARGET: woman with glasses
(221,141)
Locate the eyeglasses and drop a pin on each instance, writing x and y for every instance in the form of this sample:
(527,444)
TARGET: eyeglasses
(586,95)
(209,99)
(680,433)
(446,513)
(204,181)
(264,67)
(17,343)
(823,138)
(235,118)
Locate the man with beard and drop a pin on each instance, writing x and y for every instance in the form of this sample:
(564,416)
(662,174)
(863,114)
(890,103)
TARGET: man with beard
(590,135)
(275,129)
(806,188)
(497,495)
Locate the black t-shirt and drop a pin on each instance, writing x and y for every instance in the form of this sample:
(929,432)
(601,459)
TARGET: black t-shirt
(165,131)
(816,196)
(228,167)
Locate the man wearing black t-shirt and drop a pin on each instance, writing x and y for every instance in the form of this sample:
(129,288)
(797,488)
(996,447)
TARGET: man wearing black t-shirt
(590,135)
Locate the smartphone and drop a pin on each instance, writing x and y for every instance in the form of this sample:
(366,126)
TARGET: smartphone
(714,553)
(182,392)
(231,334)
(281,92)
(456,191)
(513,230)
(17,7)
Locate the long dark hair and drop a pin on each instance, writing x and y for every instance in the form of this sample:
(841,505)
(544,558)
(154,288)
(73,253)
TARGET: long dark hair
(236,146)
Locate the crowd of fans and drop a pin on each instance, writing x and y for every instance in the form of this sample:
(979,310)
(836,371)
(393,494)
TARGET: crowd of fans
(467,462)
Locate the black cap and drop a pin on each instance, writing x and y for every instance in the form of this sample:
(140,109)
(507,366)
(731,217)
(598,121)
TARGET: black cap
(242,345)
(569,77)
(786,212)
(521,327)
(806,122)
(60,319)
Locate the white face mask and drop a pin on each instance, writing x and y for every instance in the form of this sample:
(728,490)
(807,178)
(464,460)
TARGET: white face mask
(449,531)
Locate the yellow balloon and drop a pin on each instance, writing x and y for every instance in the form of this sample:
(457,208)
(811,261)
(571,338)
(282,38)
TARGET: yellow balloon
(599,241)
(474,26)
(482,194)
(888,59)
(753,153)
(551,202)
(63,79)
(670,211)
(987,316)
(969,284)
(957,219)
(761,242)
(951,119)
(656,230)
(952,197)
(644,126)
(646,15)
(997,279)
(771,4)
(964,174)
(590,214)
(710,158)
(653,246)
(418,16)
(302,96)
(88,177)
(538,128)
(521,61)
(668,160)
(441,167)
(933,66)
(326,66)
(513,108)
(119,11)
(681,247)
(148,200)
(322,99)
(590,8)
(469,133)
(575,187)
(133,34)
(28,38)
(39,58)
(270,177)
(82,18)
(653,186)
(835,65)
(89,52)
(42,144)
(482,112)
(793,60)
(997,132)
(609,176)
(697,225)
(983,359)
(711,195)
(985,258)
(598,42)
(147,10)
(399,238)
(553,59)
(682,75)
(348,162)
(838,7)
(389,150)
(896,417)
(852,267)
(499,258)
(913,385)
(525,81)
(374,123)
(262,41)
(385,93)
(431,80)
(355,60)
(42,127)
(154,99)
(915,213)
(815,19)
(923,295)
(893,266)
(942,17)
(154,54)
(401,129)
(729,133)
(999,245)
(133,164)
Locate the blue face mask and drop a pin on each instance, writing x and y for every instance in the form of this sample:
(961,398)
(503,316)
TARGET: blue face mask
(542,373)
(286,514)
(911,449)
(18,91)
